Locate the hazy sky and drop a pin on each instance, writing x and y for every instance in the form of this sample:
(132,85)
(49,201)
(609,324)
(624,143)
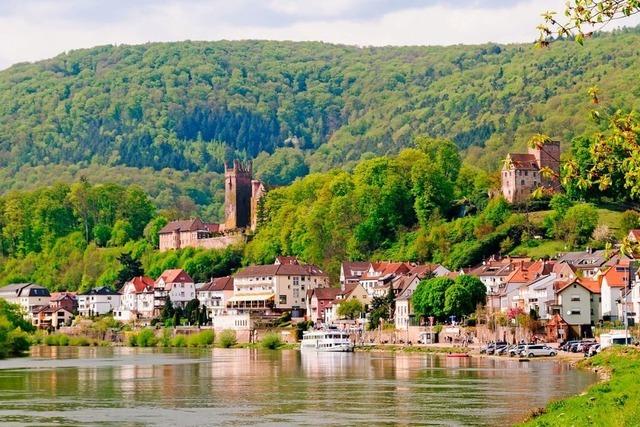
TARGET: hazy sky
(36,29)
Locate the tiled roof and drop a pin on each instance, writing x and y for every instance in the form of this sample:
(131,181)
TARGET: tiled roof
(592,286)
(194,224)
(280,270)
(617,276)
(287,260)
(102,290)
(325,293)
(175,275)
(142,283)
(219,284)
(522,161)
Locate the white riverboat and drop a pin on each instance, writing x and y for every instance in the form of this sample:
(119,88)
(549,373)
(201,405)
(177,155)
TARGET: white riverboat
(330,340)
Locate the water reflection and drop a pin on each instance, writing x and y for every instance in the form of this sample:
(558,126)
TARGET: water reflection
(120,386)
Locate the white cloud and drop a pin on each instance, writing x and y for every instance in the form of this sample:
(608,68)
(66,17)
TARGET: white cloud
(47,27)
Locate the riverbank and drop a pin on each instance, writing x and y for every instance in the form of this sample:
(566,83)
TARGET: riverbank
(612,402)
(393,348)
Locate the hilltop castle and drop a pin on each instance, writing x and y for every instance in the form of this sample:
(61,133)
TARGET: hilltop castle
(242,194)
(521,173)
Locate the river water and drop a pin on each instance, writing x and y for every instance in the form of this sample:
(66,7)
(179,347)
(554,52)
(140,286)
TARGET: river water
(138,387)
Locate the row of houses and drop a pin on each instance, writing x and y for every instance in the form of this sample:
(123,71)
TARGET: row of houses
(571,294)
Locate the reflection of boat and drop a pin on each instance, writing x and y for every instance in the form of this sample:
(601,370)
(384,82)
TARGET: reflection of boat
(329,340)
(457,355)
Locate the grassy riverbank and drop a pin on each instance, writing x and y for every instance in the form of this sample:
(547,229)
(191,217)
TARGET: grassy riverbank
(614,402)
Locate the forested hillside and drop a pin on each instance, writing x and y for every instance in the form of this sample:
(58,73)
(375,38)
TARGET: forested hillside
(190,106)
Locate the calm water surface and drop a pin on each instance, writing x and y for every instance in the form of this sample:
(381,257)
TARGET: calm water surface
(136,387)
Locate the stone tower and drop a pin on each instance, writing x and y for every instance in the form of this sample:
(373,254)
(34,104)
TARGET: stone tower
(548,156)
(237,195)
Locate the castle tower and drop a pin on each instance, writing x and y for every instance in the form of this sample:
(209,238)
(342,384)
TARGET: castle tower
(237,195)
(547,155)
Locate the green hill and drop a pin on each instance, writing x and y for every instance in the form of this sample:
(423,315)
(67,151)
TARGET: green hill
(189,106)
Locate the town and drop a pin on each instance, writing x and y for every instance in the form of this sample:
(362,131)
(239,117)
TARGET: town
(565,297)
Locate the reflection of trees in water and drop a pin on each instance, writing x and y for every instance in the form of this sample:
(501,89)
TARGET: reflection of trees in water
(289,386)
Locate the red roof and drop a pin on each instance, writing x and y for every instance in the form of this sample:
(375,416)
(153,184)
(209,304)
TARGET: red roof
(176,275)
(326,293)
(617,276)
(219,284)
(523,161)
(592,286)
(286,260)
(141,283)
(59,296)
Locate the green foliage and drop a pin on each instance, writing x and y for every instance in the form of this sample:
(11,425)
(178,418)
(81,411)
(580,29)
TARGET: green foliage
(477,290)
(282,167)
(201,339)
(351,308)
(145,338)
(578,225)
(179,341)
(271,341)
(429,297)
(614,402)
(458,301)
(227,338)
(629,220)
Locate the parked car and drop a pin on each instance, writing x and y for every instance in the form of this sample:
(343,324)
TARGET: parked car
(490,348)
(585,346)
(566,346)
(515,350)
(593,350)
(537,350)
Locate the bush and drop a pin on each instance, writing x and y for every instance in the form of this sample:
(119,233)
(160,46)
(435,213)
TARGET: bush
(132,340)
(18,342)
(201,339)
(227,338)
(165,340)
(79,341)
(179,341)
(271,341)
(146,338)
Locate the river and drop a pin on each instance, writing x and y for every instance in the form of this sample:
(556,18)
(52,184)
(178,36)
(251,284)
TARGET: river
(137,387)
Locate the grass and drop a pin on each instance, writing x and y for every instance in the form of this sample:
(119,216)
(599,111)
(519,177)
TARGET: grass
(546,248)
(607,217)
(615,402)
(63,340)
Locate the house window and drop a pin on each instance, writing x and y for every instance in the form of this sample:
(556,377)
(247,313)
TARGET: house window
(283,299)
(522,182)
(296,281)
(575,298)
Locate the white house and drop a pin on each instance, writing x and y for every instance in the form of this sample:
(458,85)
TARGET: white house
(575,303)
(136,302)
(28,296)
(275,287)
(176,285)
(214,295)
(404,309)
(98,301)
(614,280)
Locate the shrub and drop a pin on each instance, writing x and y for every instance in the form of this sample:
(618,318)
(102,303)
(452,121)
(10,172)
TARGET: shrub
(79,341)
(201,339)
(227,338)
(179,341)
(271,341)
(165,340)
(146,338)
(132,340)
(18,341)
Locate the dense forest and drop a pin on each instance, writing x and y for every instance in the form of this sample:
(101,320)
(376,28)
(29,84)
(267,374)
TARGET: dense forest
(174,112)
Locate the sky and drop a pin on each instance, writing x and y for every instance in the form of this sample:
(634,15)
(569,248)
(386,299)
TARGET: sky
(31,30)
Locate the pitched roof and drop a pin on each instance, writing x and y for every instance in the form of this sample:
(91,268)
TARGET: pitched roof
(175,275)
(592,286)
(528,271)
(325,293)
(583,259)
(219,284)
(59,296)
(101,290)
(286,260)
(194,224)
(25,289)
(617,276)
(141,283)
(280,270)
(635,233)
(521,161)
(352,267)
